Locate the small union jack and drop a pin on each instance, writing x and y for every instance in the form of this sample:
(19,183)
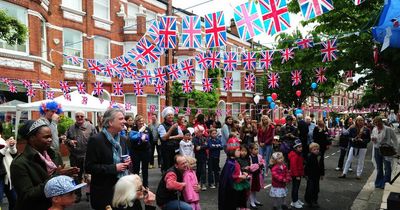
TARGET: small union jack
(119,70)
(187,67)
(215,29)
(129,67)
(199,111)
(173,72)
(305,43)
(320,74)
(218,112)
(358,2)
(43,84)
(159,88)
(191,31)
(273,80)
(275,15)
(160,75)
(81,87)
(118,90)
(98,88)
(266,59)
(137,88)
(67,96)
(230,61)
(249,60)
(128,106)
(296,77)
(6,81)
(214,59)
(75,60)
(249,81)
(30,92)
(26,83)
(145,77)
(152,108)
(207,85)
(314,8)
(187,86)
(65,87)
(202,61)
(110,66)
(153,32)
(188,111)
(149,51)
(167,32)
(138,57)
(349,74)
(176,110)
(247,21)
(228,83)
(84,100)
(95,66)
(329,50)
(50,95)
(287,54)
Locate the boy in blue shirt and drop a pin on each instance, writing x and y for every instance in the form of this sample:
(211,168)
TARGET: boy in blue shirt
(214,146)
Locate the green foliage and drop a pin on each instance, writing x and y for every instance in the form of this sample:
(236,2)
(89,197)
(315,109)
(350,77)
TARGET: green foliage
(11,30)
(8,130)
(64,124)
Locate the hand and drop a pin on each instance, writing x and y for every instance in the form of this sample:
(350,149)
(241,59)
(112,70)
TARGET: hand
(73,143)
(128,160)
(11,142)
(197,188)
(71,171)
(262,144)
(142,129)
(175,125)
(149,198)
(121,167)
(198,148)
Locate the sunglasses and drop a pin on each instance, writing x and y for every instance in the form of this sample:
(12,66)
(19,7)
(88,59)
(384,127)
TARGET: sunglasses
(79,116)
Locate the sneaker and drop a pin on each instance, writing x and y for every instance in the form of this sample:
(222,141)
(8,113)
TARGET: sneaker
(203,188)
(350,169)
(212,186)
(296,205)
(338,169)
(342,176)
(300,202)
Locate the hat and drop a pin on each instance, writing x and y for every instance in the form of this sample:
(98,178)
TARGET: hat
(30,126)
(232,144)
(297,143)
(60,185)
(167,110)
(51,105)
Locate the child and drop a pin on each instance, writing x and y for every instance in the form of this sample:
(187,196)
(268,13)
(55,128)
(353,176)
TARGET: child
(60,190)
(257,164)
(314,171)
(189,177)
(186,145)
(280,177)
(244,162)
(296,171)
(214,147)
(200,151)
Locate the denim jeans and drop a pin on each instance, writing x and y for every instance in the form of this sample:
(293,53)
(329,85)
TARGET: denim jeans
(11,194)
(177,205)
(266,152)
(382,176)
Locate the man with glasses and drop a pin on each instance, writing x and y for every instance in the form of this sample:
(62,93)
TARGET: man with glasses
(77,139)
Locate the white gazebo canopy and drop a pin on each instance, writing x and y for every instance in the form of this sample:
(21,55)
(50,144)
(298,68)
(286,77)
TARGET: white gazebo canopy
(10,106)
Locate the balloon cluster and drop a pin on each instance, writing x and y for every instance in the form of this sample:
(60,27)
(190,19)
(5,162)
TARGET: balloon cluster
(271,100)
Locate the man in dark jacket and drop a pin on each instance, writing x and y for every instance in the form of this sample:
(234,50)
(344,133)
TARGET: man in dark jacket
(303,133)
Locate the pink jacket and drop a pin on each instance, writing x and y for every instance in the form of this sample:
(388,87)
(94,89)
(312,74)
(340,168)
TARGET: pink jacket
(189,177)
(255,167)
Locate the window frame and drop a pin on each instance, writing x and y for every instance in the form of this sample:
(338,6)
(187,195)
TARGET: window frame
(108,48)
(96,2)
(64,47)
(69,3)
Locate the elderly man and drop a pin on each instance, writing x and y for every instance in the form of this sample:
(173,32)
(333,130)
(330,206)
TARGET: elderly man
(170,135)
(107,158)
(77,139)
(48,110)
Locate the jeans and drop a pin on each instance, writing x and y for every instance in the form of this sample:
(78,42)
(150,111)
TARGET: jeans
(141,157)
(176,205)
(11,194)
(78,162)
(213,170)
(295,189)
(266,152)
(382,176)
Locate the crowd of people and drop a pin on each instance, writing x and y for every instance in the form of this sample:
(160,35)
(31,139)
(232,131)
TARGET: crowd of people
(107,159)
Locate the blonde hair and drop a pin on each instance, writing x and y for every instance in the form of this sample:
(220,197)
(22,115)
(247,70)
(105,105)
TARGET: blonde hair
(275,157)
(262,125)
(126,190)
(313,145)
(191,160)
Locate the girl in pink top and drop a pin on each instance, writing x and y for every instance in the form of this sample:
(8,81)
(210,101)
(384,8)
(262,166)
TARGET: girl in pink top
(189,177)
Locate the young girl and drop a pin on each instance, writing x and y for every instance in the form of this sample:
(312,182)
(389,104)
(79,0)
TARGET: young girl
(244,162)
(296,171)
(189,177)
(256,166)
(280,177)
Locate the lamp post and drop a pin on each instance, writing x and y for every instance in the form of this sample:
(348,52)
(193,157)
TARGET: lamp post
(256,101)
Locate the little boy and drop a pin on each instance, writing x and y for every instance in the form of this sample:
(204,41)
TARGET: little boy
(61,191)
(186,145)
(200,151)
(314,171)
(296,171)
(214,147)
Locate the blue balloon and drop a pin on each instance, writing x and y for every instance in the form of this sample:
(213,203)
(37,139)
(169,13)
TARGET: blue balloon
(324,113)
(272,105)
(337,120)
(269,99)
(329,101)
(298,111)
(314,85)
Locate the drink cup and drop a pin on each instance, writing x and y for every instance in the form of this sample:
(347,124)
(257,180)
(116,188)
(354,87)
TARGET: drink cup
(124,158)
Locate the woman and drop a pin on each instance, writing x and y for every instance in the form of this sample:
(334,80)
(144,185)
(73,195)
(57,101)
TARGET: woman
(248,131)
(99,125)
(320,136)
(226,130)
(266,132)
(382,134)
(359,138)
(200,122)
(129,123)
(37,164)
(182,122)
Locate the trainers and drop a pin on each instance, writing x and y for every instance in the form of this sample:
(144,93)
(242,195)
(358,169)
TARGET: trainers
(300,202)
(338,169)
(350,169)
(296,205)
(203,188)
(212,186)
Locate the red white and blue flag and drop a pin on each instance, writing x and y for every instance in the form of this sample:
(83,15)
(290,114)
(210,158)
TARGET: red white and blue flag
(320,74)
(187,67)
(129,67)
(187,86)
(202,61)
(249,81)
(153,32)
(81,87)
(118,90)
(358,2)
(84,100)
(296,77)
(199,111)
(30,92)
(349,74)
(167,32)
(67,96)
(228,83)
(135,55)
(314,8)
(305,43)
(173,72)
(247,20)
(275,15)
(287,54)
(26,83)
(207,85)
(230,61)
(6,81)
(152,108)
(145,77)
(191,32)
(249,60)
(95,66)
(149,51)
(214,59)
(98,88)
(12,88)
(160,75)
(119,70)
(176,110)
(44,84)
(137,88)
(50,95)
(273,80)
(188,111)
(266,59)
(329,50)
(75,60)
(65,87)
(215,29)
(111,66)
(159,88)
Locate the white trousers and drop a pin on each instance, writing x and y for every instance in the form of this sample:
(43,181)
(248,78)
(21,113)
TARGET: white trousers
(360,163)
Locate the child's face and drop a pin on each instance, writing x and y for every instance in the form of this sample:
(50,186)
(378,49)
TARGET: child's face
(237,153)
(315,150)
(280,160)
(243,152)
(214,134)
(299,148)
(199,134)
(66,199)
(254,151)
(187,137)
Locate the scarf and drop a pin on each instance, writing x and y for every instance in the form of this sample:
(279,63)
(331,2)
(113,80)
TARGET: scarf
(50,166)
(117,150)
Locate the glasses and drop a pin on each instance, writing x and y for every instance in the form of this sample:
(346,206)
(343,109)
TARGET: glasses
(79,116)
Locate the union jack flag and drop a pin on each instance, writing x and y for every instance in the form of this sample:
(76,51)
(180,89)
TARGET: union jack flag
(296,77)
(275,15)
(118,90)
(266,59)
(199,111)
(202,61)
(167,32)
(273,80)
(173,72)
(84,100)
(314,8)
(67,96)
(81,87)
(148,51)
(160,75)
(320,74)
(26,83)
(145,77)
(249,60)
(230,61)
(64,87)
(43,84)
(176,110)
(137,88)
(188,111)
(30,92)
(98,88)
(358,2)
(50,95)
(153,32)
(287,54)
(228,83)
(329,50)
(214,59)
(305,43)
(75,60)
(249,81)
(128,106)
(110,68)
(159,88)
(95,66)
(187,86)
(349,74)
(7,81)
(248,22)
(207,85)
(191,32)
(215,29)
(129,67)
(218,112)
(187,67)
(152,108)
(135,55)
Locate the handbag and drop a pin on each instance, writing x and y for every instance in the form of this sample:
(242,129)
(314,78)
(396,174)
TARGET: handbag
(387,150)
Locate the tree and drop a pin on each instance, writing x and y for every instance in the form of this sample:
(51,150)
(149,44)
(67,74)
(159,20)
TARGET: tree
(11,30)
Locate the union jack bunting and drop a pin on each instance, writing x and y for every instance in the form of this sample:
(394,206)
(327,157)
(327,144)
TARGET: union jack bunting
(188,111)
(249,60)
(6,81)
(64,87)
(305,43)
(44,84)
(247,21)
(349,74)
(98,88)
(119,70)
(145,77)
(218,112)
(26,83)
(130,69)
(176,110)
(159,88)
(118,90)
(314,8)
(230,61)
(287,54)
(95,66)
(191,31)
(81,87)
(215,29)
(152,108)
(128,106)
(358,2)
(320,74)
(149,51)
(160,75)
(296,77)
(207,85)
(266,59)
(167,32)
(199,111)
(173,72)
(138,57)
(153,32)
(214,59)
(329,50)
(137,88)
(84,100)
(67,96)
(50,95)
(187,86)
(30,92)
(110,68)
(202,61)
(273,80)
(75,60)
(187,67)
(275,15)
(228,83)
(249,81)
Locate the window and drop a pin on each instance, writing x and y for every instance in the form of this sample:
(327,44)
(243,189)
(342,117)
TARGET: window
(102,9)
(21,15)
(72,44)
(235,109)
(130,20)
(73,4)
(151,67)
(128,46)
(101,48)
(131,98)
(199,73)
(44,40)
(150,17)
(236,80)
(152,100)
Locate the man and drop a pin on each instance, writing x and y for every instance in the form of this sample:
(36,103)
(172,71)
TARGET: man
(155,143)
(303,133)
(107,158)
(288,134)
(48,111)
(171,185)
(170,135)
(77,139)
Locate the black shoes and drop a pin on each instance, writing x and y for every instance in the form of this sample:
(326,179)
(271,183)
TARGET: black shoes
(342,176)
